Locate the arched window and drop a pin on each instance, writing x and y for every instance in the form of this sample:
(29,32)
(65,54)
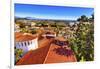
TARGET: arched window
(28,43)
(22,44)
(25,43)
(19,44)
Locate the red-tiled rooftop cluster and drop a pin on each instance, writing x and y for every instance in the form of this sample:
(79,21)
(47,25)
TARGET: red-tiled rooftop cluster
(45,54)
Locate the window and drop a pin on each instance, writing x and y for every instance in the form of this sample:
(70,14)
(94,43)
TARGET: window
(25,43)
(21,44)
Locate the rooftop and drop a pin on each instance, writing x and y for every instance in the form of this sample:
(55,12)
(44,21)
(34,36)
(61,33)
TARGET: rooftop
(20,37)
(60,38)
(45,54)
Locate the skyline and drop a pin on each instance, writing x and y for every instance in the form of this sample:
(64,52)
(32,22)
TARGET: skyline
(51,12)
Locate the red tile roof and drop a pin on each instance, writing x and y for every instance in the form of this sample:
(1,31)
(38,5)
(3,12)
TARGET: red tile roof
(20,37)
(53,57)
(60,38)
(36,56)
(45,54)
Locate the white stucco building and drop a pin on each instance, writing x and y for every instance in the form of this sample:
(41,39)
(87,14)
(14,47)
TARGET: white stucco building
(26,42)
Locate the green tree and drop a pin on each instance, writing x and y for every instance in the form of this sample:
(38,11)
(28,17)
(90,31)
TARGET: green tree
(18,54)
(92,18)
(83,41)
(83,18)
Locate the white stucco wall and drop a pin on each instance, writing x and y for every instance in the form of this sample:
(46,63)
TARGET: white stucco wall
(27,45)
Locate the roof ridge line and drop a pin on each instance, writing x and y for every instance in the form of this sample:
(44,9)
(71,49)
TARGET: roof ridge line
(47,54)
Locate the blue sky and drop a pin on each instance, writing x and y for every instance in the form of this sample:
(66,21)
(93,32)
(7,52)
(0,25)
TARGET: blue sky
(51,12)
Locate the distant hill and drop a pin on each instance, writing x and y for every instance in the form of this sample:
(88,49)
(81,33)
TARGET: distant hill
(29,20)
(33,18)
